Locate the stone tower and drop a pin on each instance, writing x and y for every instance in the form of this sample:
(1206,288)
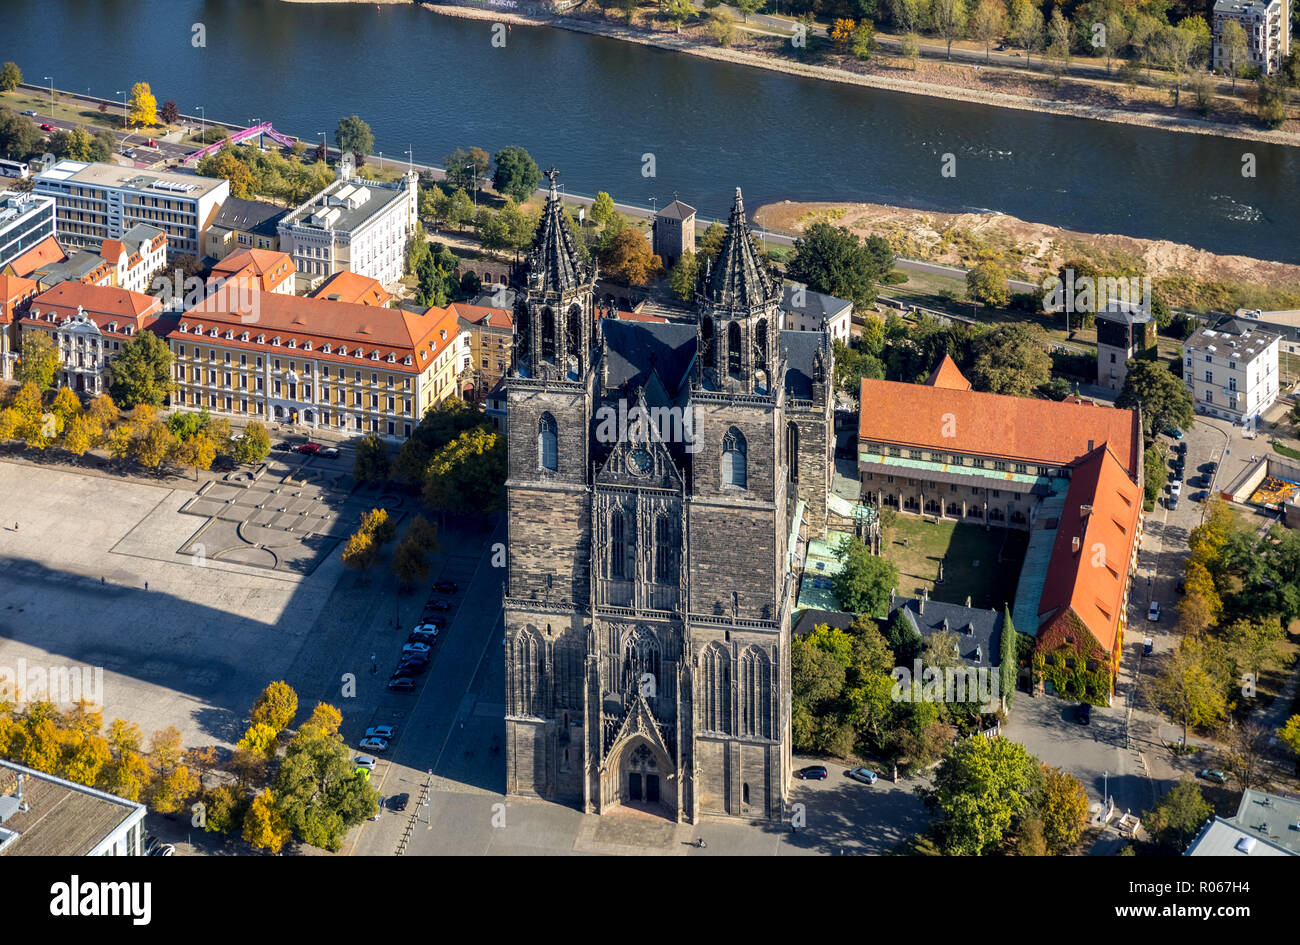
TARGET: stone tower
(647,606)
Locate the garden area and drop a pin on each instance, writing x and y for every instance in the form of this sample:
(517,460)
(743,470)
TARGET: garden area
(981,563)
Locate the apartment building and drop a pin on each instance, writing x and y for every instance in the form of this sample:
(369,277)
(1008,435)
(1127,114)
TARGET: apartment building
(264,269)
(88,325)
(244,224)
(314,363)
(802,309)
(1231,369)
(15,295)
(486,350)
(353,225)
(1267,24)
(97,202)
(25,220)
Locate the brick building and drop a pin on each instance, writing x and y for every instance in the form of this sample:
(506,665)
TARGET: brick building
(647,605)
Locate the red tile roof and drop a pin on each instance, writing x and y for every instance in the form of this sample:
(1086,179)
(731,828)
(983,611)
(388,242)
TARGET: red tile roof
(484,315)
(104,305)
(1021,429)
(13,293)
(44,253)
(265,267)
(1088,570)
(353,287)
(948,375)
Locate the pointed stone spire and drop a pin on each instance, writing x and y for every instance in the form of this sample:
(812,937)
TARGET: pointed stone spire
(553,262)
(740,280)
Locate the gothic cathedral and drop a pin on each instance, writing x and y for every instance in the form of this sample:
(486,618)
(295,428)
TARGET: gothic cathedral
(658,474)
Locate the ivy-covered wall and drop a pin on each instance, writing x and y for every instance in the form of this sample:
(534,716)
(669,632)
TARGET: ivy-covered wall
(1065,648)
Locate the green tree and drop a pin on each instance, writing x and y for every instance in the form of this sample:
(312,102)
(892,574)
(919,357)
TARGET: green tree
(948,17)
(682,279)
(317,789)
(371,463)
(142,371)
(903,638)
(1188,688)
(864,582)
(1272,95)
(516,174)
(10,77)
(833,260)
(466,167)
(39,363)
(353,134)
(440,424)
(602,208)
(1163,398)
(468,474)
(1011,359)
(987,282)
(988,20)
(1178,817)
(1062,805)
(1008,659)
(253,446)
(980,788)
(19,136)
(747,7)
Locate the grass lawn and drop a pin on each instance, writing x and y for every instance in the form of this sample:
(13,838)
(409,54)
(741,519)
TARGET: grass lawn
(971,560)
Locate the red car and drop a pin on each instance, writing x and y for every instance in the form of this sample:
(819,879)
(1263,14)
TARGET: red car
(311,449)
(47,127)
(152,143)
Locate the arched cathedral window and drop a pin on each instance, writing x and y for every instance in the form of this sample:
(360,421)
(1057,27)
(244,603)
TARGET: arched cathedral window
(548,334)
(735,356)
(547,450)
(665,550)
(735,470)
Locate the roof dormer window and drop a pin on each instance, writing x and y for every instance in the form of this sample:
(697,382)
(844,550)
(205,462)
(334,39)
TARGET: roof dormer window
(392,358)
(261,339)
(293,342)
(275,342)
(244,336)
(325,349)
(306,346)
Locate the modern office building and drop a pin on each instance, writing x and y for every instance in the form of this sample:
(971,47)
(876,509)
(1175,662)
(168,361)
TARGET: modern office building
(25,220)
(41,815)
(97,202)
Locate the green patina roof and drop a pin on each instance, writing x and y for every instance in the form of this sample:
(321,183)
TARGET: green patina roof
(815,589)
(921,466)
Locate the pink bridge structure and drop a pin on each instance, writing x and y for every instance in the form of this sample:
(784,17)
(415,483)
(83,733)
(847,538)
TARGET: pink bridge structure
(256,130)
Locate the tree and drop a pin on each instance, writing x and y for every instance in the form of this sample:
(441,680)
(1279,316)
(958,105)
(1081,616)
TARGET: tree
(1272,95)
(198,452)
(842,32)
(721,27)
(170,113)
(1164,399)
(833,260)
(78,435)
(253,446)
(602,208)
(864,40)
(1289,734)
(1235,48)
(987,282)
(143,109)
(1027,27)
(981,786)
(318,791)
(19,135)
(630,259)
(865,581)
(1062,804)
(10,77)
(264,825)
(681,281)
(227,165)
(410,564)
(709,245)
(949,20)
(376,522)
(353,134)
(516,174)
(677,12)
(1245,754)
(987,21)
(747,7)
(39,363)
(1188,688)
(464,168)
(1175,48)
(1254,644)
(907,15)
(154,446)
(360,551)
(468,474)
(1011,359)
(142,371)
(275,707)
(1116,34)
(371,464)
(1008,659)
(1178,817)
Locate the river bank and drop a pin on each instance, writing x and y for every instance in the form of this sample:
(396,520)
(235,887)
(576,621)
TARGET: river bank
(1185,276)
(684,43)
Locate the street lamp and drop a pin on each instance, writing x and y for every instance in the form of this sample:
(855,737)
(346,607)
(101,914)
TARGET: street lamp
(50,79)
(1105,781)
(471,167)
(381,160)
(654,205)
(126,123)
(203,124)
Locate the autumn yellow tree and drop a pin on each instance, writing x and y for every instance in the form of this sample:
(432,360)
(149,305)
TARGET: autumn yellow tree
(360,551)
(275,707)
(144,107)
(841,33)
(629,258)
(173,783)
(264,825)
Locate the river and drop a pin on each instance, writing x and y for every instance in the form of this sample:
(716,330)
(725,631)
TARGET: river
(596,107)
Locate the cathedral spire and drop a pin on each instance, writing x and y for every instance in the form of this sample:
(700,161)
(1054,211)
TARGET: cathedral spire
(553,261)
(740,281)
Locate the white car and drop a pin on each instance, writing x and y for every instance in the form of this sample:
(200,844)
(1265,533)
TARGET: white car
(1175,488)
(381,731)
(1153,612)
(330,451)
(416,648)
(374,744)
(366,761)
(431,629)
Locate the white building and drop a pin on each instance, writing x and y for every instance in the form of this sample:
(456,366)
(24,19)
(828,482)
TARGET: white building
(41,815)
(1267,24)
(1231,369)
(97,202)
(25,220)
(802,309)
(353,225)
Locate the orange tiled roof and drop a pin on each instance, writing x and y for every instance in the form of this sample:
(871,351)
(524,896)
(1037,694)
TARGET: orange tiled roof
(104,305)
(347,286)
(13,292)
(322,329)
(112,250)
(45,253)
(266,267)
(948,375)
(1088,569)
(484,315)
(1021,429)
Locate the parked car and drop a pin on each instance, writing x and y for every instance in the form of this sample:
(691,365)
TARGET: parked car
(1083,713)
(381,731)
(363,773)
(1201,496)
(436,605)
(398,801)
(1153,612)
(1211,468)
(1148,646)
(416,648)
(374,744)
(129,152)
(1212,774)
(330,451)
(412,668)
(865,775)
(365,761)
(151,143)
(163,849)
(446,587)
(1175,488)
(46,126)
(401,684)
(285,446)
(1175,433)
(1172,502)
(311,449)
(429,627)
(30,113)
(813,773)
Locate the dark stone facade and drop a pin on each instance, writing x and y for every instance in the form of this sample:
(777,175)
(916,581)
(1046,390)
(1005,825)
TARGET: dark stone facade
(647,607)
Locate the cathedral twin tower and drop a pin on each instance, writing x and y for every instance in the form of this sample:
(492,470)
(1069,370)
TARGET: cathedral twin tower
(647,602)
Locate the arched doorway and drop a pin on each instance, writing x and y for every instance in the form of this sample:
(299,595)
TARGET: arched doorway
(641,777)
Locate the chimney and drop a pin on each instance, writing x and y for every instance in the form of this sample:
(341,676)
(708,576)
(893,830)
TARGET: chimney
(967,600)
(1074,543)
(920,604)
(18,793)
(979,654)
